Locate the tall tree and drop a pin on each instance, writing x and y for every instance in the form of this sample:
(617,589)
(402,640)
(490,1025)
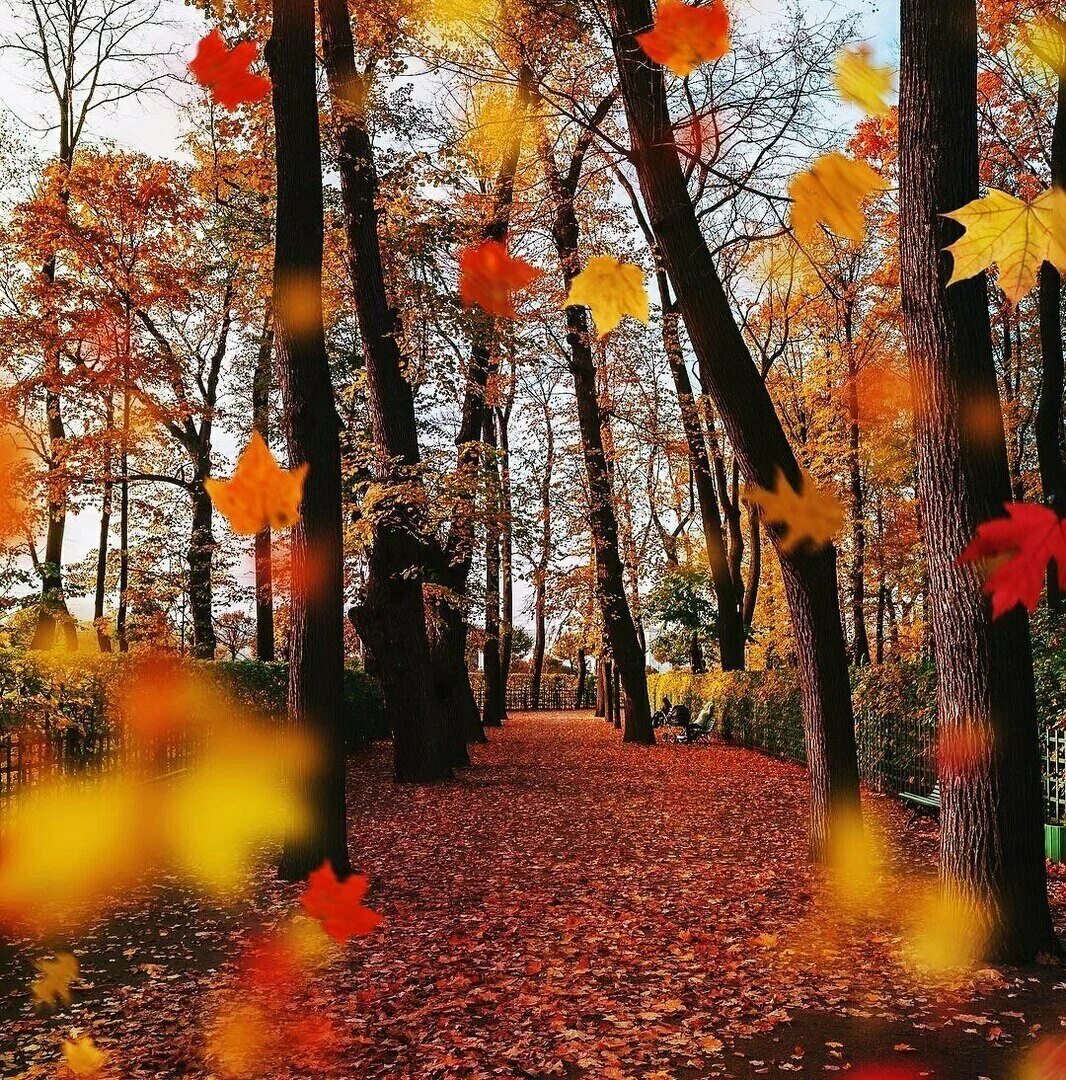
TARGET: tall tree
(264,577)
(992,851)
(312,431)
(391,617)
(747,412)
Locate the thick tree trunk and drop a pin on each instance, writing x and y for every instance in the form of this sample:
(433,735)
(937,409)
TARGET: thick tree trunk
(748,414)
(1049,422)
(392,616)
(312,433)
(201,557)
(992,847)
(860,642)
(264,575)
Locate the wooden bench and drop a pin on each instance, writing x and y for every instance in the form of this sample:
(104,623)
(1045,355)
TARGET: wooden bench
(923,804)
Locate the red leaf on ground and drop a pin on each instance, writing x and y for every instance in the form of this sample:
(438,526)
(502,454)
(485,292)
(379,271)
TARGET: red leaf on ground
(1032,536)
(225,71)
(338,905)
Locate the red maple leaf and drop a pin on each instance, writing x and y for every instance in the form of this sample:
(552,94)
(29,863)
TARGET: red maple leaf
(489,277)
(225,71)
(338,905)
(684,36)
(1032,535)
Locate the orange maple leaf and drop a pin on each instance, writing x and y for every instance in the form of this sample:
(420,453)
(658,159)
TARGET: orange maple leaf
(260,493)
(338,905)
(685,36)
(225,73)
(489,277)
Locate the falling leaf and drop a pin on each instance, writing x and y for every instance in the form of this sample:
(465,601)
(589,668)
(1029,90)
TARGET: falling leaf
(1017,236)
(947,933)
(1031,536)
(53,984)
(489,277)
(685,36)
(225,73)
(1045,39)
(13,513)
(259,494)
(1046,1060)
(862,82)
(962,750)
(339,905)
(831,192)
(82,1057)
(612,289)
(809,515)
(495,122)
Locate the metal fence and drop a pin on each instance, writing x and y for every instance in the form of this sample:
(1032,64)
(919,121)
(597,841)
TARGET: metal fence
(558,693)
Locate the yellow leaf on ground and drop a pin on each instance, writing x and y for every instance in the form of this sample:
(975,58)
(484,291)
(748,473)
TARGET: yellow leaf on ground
(1013,234)
(53,984)
(862,82)
(82,1057)
(810,516)
(831,193)
(260,493)
(612,289)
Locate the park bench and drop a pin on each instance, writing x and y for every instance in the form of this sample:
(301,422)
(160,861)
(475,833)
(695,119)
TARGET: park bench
(923,804)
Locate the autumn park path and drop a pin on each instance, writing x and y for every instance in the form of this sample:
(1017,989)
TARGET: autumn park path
(575,907)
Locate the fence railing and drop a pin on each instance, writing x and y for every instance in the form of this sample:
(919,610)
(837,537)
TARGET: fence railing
(558,693)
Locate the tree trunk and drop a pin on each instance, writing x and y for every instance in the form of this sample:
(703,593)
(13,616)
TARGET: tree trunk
(494,709)
(748,414)
(124,535)
(103,638)
(201,556)
(992,846)
(751,593)
(1049,424)
(392,616)
(540,572)
(312,433)
(506,556)
(860,642)
(264,576)
(582,677)
(608,691)
(601,686)
(696,654)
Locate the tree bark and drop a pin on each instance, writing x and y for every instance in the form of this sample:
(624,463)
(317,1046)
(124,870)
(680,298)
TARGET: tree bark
(264,575)
(494,710)
(540,571)
(103,638)
(748,414)
(992,846)
(582,676)
(601,686)
(124,534)
(503,417)
(200,558)
(860,641)
(392,616)
(1049,419)
(312,433)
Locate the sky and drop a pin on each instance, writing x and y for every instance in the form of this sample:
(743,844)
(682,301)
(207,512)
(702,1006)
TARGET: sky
(155,127)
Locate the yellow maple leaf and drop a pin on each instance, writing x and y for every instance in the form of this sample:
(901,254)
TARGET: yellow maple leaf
(612,289)
(260,493)
(1017,236)
(52,986)
(82,1057)
(1045,40)
(831,192)
(862,82)
(810,516)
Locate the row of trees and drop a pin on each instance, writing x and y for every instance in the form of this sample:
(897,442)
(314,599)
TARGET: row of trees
(450,447)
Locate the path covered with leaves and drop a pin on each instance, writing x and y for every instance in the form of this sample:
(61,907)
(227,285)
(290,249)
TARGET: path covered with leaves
(570,907)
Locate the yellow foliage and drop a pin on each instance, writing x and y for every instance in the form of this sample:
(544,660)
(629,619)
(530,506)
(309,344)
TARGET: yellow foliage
(1016,235)
(495,122)
(862,82)
(831,192)
(259,494)
(612,289)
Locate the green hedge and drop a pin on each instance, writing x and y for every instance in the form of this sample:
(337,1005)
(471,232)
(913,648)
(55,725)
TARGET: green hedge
(51,691)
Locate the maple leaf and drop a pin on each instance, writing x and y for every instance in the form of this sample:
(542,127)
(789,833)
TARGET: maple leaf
(862,82)
(259,494)
(489,277)
(831,192)
(684,36)
(53,984)
(612,289)
(1045,38)
(1032,535)
(83,1058)
(225,73)
(1016,235)
(809,515)
(338,905)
